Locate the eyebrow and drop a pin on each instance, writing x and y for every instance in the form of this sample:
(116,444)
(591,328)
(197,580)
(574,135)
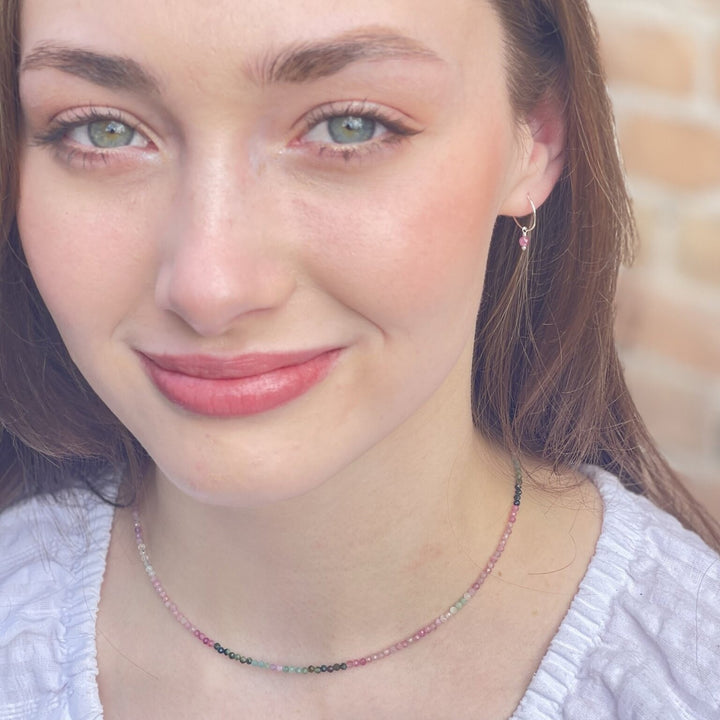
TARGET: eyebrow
(111,71)
(296,64)
(321,58)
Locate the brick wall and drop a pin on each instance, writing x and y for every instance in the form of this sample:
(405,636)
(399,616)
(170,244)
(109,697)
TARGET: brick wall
(663,63)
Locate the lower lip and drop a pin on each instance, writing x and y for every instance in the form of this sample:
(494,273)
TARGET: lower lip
(240,397)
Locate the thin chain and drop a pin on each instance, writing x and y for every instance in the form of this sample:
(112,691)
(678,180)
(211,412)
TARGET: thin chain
(407,642)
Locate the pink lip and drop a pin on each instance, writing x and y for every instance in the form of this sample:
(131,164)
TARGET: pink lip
(238,386)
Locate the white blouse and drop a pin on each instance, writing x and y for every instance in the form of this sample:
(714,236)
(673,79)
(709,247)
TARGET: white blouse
(641,640)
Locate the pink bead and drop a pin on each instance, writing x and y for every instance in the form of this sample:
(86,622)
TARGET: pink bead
(524,241)
(358,662)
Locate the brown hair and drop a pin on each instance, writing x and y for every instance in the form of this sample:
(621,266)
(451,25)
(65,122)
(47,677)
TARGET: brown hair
(547,380)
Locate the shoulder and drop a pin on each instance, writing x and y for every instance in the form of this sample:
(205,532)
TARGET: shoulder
(642,636)
(52,560)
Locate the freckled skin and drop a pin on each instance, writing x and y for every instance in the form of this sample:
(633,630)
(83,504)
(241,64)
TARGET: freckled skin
(233,233)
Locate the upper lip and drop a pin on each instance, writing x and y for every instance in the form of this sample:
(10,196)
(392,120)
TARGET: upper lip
(239,366)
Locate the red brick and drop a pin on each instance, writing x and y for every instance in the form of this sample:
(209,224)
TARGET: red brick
(657,320)
(679,154)
(699,251)
(658,58)
(678,413)
(716,64)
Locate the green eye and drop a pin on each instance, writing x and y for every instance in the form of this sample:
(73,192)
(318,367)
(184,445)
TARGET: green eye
(351,129)
(108,134)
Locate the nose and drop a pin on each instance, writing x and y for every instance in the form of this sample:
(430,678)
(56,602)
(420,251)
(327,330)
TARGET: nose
(221,257)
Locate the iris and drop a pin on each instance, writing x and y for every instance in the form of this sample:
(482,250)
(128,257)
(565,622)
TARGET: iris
(110,134)
(351,129)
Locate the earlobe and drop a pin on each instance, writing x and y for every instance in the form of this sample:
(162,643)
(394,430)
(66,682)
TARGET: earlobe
(542,159)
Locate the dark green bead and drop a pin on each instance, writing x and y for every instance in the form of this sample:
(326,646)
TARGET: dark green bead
(218,647)
(311,668)
(323,668)
(343,666)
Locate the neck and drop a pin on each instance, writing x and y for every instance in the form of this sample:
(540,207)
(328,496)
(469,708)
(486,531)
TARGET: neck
(346,567)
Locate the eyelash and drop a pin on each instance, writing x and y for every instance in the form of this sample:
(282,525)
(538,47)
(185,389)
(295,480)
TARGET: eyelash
(396,129)
(56,136)
(395,132)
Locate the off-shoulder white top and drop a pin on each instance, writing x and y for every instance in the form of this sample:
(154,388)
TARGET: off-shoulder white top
(641,640)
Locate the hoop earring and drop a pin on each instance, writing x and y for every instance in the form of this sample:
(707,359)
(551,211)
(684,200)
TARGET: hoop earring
(524,239)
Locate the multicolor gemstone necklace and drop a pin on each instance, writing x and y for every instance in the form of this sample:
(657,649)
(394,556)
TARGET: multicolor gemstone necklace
(407,642)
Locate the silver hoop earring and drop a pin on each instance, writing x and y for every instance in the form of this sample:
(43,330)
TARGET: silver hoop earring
(524,239)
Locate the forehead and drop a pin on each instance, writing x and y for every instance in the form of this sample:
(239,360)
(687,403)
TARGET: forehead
(253,35)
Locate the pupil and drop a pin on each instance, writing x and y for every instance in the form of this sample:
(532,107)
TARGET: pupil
(110,134)
(351,129)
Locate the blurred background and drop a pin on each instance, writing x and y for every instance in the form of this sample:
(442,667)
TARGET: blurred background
(663,64)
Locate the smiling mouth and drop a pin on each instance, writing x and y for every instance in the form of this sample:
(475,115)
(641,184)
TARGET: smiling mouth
(240,386)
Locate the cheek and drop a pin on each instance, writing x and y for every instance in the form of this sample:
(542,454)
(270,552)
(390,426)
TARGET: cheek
(417,248)
(82,249)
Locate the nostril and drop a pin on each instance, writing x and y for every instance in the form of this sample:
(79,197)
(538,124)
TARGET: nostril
(211,291)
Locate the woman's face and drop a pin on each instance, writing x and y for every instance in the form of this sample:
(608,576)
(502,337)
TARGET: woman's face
(262,227)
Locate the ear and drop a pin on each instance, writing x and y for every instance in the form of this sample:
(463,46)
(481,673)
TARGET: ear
(542,158)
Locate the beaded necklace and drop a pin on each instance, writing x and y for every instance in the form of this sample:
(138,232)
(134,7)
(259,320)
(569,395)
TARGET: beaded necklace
(407,642)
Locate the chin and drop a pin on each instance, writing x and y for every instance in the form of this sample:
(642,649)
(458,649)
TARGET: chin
(242,488)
